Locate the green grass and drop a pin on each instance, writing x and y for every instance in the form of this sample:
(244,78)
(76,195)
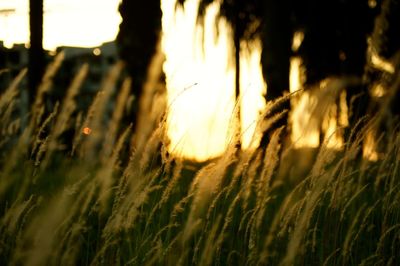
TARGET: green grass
(89,200)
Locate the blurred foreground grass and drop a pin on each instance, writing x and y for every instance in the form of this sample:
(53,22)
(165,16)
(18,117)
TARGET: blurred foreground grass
(72,193)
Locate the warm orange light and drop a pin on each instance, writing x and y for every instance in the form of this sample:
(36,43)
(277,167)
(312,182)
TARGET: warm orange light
(86,130)
(253,89)
(370,147)
(306,125)
(305,131)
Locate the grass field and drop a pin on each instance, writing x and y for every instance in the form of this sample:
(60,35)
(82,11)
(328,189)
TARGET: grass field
(72,193)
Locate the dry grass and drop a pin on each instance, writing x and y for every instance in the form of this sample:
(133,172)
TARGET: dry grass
(95,202)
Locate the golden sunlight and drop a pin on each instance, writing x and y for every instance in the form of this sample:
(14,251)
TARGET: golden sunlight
(200,80)
(306,125)
(304,130)
(253,90)
(200,77)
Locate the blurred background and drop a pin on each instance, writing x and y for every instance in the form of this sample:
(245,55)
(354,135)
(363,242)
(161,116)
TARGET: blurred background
(219,62)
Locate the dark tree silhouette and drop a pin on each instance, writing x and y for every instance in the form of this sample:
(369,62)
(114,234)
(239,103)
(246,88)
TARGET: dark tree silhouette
(137,41)
(335,42)
(386,34)
(36,52)
(335,35)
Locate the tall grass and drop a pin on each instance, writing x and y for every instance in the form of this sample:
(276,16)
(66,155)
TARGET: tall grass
(87,199)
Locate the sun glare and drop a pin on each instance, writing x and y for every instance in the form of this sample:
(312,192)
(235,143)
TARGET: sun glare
(200,79)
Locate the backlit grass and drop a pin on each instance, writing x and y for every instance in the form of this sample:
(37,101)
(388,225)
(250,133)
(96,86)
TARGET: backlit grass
(74,196)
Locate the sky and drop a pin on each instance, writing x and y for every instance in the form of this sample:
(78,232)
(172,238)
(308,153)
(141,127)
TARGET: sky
(84,23)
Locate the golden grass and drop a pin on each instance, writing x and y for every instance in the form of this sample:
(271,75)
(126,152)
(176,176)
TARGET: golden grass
(96,202)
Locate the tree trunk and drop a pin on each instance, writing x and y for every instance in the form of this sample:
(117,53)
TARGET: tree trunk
(137,40)
(36,53)
(236,41)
